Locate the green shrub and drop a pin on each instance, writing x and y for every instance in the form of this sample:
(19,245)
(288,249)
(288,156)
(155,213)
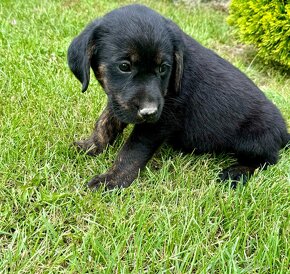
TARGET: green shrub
(266,25)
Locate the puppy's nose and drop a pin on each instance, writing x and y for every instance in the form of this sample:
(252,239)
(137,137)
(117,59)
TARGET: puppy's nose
(148,113)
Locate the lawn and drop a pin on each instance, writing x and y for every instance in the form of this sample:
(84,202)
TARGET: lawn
(175,218)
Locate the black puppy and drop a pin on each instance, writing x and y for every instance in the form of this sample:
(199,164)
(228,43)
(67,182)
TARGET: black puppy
(174,90)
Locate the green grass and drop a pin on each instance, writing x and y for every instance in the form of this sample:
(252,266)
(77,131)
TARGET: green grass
(175,218)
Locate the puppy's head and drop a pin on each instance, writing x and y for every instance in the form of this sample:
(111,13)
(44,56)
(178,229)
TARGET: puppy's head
(136,55)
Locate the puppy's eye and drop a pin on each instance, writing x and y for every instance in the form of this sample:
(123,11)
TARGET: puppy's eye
(125,67)
(163,69)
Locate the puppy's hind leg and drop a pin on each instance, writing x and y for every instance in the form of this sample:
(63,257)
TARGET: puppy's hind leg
(105,132)
(247,164)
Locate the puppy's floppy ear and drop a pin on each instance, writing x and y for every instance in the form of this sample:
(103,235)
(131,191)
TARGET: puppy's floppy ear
(178,67)
(178,46)
(80,53)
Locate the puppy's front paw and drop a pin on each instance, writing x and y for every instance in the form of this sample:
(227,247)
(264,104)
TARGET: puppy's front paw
(87,146)
(109,181)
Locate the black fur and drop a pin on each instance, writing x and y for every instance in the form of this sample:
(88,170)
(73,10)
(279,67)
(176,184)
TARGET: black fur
(174,90)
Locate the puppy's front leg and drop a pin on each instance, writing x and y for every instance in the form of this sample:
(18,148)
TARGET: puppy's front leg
(106,130)
(134,155)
